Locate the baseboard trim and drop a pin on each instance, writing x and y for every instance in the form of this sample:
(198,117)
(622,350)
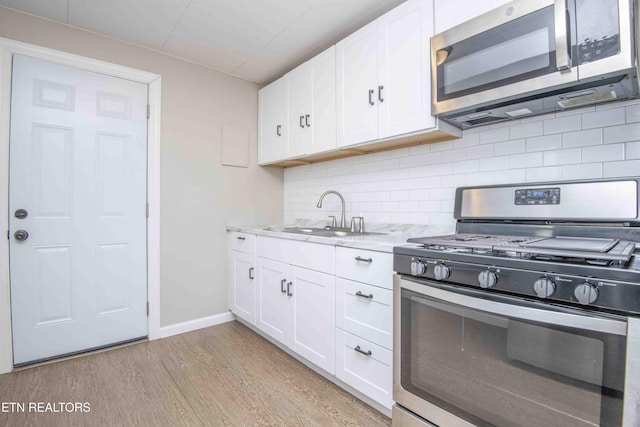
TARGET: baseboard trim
(195,324)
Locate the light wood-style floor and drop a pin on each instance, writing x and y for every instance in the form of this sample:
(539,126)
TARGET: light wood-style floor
(225,375)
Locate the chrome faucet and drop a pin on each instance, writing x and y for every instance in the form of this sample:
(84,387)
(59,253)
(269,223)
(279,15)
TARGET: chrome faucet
(342,218)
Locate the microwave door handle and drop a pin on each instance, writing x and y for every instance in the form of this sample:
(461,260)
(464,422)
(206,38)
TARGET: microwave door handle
(563,35)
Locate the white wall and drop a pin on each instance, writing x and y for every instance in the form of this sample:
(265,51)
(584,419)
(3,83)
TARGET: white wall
(199,196)
(416,185)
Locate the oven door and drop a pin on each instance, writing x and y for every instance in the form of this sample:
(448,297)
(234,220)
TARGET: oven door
(466,357)
(518,48)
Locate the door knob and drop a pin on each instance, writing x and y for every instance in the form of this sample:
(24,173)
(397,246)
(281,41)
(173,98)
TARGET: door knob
(21,213)
(21,235)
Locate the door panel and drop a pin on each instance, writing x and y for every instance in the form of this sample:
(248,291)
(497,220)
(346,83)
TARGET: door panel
(272,302)
(78,166)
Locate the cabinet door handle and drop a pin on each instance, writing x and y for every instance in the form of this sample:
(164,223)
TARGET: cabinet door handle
(282,282)
(371,96)
(306,120)
(366,353)
(251,276)
(301,119)
(360,294)
(380,93)
(359,258)
(241,238)
(278,130)
(289,293)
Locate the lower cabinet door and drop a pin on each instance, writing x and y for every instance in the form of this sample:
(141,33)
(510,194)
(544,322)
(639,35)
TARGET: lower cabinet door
(365,366)
(312,316)
(272,299)
(243,300)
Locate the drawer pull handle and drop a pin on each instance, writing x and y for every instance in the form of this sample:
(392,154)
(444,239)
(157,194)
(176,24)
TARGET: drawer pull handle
(360,294)
(282,289)
(359,350)
(241,238)
(251,276)
(369,260)
(289,293)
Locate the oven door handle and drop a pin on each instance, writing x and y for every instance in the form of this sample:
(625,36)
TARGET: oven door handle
(520,310)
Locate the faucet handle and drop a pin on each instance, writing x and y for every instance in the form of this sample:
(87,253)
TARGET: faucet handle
(333,221)
(357,224)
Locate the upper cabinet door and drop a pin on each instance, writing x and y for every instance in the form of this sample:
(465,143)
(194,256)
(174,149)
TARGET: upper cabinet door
(273,126)
(404,86)
(299,138)
(450,13)
(357,83)
(322,121)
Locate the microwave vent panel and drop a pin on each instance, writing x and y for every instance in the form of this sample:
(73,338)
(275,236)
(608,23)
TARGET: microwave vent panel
(591,98)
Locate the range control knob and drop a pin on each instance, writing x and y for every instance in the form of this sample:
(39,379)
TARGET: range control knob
(544,287)
(418,268)
(487,279)
(586,293)
(441,272)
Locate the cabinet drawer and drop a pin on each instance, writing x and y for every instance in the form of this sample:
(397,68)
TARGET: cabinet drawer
(369,373)
(313,256)
(243,242)
(374,268)
(365,310)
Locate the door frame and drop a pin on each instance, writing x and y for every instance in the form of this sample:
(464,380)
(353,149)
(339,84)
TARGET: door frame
(10,47)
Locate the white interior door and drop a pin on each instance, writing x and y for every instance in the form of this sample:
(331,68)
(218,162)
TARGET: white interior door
(78,169)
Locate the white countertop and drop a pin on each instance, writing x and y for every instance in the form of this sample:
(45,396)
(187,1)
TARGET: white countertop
(394,234)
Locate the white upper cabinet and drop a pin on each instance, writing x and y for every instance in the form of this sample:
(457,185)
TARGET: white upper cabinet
(449,13)
(382,76)
(273,123)
(312,101)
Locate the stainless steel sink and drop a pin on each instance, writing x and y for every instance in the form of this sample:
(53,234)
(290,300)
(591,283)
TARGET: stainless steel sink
(324,232)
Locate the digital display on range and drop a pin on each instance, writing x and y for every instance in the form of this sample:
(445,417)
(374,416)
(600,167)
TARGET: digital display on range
(538,196)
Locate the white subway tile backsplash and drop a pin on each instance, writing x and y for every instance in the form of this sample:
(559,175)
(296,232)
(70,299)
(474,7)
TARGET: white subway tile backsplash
(417,184)
(623,133)
(632,151)
(494,163)
(525,160)
(526,130)
(494,135)
(602,118)
(480,151)
(582,171)
(480,178)
(623,168)
(542,143)
(454,155)
(467,140)
(603,153)
(510,147)
(633,113)
(549,173)
(582,138)
(563,124)
(422,160)
(467,166)
(562,157)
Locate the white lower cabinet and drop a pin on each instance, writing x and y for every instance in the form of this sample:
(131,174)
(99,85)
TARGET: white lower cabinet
(296,305)
(330,305)
(242,293)
(365,366)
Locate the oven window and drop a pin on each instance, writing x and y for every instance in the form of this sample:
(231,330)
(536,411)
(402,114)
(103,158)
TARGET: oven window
(516,51)
(499,371)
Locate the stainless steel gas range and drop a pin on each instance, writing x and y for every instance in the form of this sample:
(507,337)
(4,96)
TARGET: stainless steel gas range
(529,315)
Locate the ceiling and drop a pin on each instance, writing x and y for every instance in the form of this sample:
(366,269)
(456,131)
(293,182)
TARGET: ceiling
(256,40)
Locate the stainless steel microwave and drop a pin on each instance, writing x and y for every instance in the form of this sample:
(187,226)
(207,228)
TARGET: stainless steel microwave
(529,57)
